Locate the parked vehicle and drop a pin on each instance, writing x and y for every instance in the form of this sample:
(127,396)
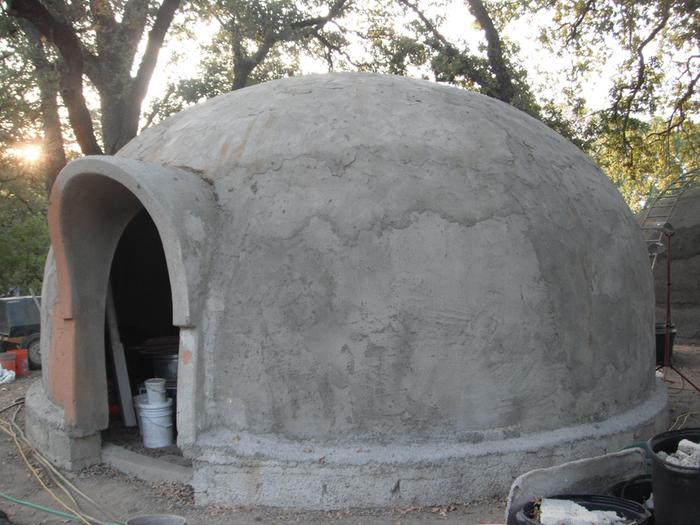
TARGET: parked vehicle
(20,322)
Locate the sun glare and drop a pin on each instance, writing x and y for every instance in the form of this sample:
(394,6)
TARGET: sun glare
(30,153)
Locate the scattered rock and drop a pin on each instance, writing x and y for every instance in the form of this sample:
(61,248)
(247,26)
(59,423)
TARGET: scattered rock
(175,493)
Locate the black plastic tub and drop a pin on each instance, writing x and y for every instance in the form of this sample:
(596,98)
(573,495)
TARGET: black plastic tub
(661,342)
(624,507)
(676,489)
(637,489)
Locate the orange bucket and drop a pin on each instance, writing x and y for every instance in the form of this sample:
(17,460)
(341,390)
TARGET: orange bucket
(21,361)
(8,361)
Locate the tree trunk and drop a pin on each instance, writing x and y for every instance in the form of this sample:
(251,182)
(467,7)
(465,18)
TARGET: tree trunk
(139,85)
(241,73)
(54,151)
(109,69)
(62,35)
(504,89)
(113,108)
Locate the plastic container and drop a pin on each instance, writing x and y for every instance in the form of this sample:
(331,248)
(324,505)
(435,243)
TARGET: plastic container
(630,510)
(637,489)
(21,361)
(155,389)
(157,519)
(8,361)
(676,489)
(139,400)
(156,422)
(661,342)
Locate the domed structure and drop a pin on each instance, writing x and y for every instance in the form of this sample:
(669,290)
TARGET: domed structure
(685,268)
(386,291)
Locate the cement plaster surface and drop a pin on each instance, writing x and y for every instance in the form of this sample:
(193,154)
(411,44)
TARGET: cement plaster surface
(389,263)
(401,261)
(145,467)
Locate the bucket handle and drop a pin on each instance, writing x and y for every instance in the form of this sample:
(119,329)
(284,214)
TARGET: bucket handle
(156,423)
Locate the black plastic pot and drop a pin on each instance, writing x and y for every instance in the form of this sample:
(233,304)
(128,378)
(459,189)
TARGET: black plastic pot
(661,342)
(626,508)
(676,489)
(637,489)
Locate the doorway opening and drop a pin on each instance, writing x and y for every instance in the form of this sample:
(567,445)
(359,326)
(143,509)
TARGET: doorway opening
(142,298)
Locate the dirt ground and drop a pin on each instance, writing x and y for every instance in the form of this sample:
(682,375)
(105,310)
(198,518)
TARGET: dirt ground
(121,497)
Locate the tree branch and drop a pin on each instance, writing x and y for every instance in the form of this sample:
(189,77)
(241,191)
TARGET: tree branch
(429,25)
(166,13)
(576,24)
(134,18)
(294,31)
(641,75)
(54,152)
(504,89)
(330,46)
(152,114)
(465,65)
(673,123)
(164,17)
(103,15)
(319,21)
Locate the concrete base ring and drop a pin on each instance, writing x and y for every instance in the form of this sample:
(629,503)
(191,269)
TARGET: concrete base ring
(261,471)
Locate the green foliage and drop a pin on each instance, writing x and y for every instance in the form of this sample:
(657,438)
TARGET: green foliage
(23,234)
(643,137)
(24,239)
(24,243)
(659,157)
(646,134)
(418,45)
(20,117)
(657,43)
(257,41)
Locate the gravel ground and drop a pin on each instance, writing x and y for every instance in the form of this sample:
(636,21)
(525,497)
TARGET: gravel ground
(120,496)
(130,439)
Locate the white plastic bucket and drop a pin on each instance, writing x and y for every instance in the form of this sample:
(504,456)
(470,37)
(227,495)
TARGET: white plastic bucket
(139,400)
(156,422)
(155,388)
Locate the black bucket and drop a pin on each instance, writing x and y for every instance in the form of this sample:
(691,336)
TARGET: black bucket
(624,507)
(637,489)
(661,342)
(676,489)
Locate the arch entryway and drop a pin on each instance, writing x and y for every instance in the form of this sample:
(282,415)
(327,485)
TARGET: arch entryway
(141,341)
(93,204)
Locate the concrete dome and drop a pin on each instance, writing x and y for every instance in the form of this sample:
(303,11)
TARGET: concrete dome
(685,296)
(398,287)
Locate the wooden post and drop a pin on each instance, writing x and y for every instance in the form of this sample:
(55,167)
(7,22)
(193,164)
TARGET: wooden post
(119,360)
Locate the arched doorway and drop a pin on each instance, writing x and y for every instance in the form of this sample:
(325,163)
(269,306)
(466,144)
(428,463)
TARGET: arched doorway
(91,209)
(144,330)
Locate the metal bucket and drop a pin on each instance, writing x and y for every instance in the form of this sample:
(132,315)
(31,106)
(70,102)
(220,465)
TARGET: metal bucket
(165,366)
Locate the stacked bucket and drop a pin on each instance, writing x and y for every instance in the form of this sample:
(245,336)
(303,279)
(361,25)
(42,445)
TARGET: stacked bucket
(155,414)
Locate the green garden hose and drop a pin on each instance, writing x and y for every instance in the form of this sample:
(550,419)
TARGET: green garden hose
(48,510)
